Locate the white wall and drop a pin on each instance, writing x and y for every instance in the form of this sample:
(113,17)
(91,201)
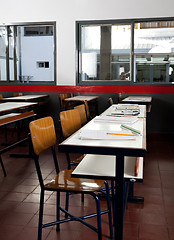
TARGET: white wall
(66,12)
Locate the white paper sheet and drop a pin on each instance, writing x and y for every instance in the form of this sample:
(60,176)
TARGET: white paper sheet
(106,134)
(116,119)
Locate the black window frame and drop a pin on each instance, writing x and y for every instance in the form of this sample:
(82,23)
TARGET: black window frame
(132,22)
(25,24)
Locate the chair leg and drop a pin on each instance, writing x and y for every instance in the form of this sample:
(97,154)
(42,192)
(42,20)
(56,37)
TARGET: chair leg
(58,211)
(98,216)
(109,208)
(67,203)
(41,214)
(3,168)
(82,197)
(113,200)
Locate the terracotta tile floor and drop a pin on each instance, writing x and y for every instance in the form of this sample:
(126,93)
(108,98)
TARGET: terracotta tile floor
(152,220)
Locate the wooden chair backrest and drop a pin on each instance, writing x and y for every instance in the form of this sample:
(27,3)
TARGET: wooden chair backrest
(70,122)
(119,97)
(82,111)
(17,94)
(87,109)
(43,134)
(111,101)
(62,97)
(1,97)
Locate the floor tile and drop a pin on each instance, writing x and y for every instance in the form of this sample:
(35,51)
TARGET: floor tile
(153,232)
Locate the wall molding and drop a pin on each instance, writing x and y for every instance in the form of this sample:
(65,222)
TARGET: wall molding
(88,89)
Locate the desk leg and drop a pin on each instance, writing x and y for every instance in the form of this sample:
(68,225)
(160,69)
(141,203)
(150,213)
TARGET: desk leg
(119,199)
(131,197)
(96,107)
(3,168)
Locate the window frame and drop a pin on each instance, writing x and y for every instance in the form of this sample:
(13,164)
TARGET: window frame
(132,22)
(25,24)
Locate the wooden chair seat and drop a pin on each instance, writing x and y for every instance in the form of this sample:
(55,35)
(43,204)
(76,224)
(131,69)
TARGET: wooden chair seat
(64,182)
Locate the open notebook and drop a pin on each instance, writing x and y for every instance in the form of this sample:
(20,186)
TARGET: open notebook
(106,134)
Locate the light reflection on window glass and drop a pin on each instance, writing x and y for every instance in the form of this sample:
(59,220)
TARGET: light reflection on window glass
(154,51)
(105,52)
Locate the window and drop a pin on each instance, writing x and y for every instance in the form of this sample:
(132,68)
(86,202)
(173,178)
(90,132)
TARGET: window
(21,46)
(43,64)
(125,51)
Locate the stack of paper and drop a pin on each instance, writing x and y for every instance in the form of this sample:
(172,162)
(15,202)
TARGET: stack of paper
(106,134)
(116,119)
(126,112)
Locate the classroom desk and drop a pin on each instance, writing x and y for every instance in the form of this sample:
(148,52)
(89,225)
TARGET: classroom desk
(118,148)
(138,99)
(81,98)
(12,117)
(145,100)
(24,98)
(11,106)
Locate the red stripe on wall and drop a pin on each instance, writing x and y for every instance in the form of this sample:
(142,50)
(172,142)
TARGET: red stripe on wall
(87,89)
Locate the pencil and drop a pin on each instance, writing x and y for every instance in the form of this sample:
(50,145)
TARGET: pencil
(122,134)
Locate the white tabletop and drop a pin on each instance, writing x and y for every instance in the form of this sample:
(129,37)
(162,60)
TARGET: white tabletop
(81,98)
(9,106)
(139,143)
(24,98)
(144,99)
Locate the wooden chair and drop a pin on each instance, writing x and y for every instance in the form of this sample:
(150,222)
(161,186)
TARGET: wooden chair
(82,111)
(70,122)
(87,110)
(110,100)
(120,97)
(1,97)
(17,94)
(63,104)
(43,137)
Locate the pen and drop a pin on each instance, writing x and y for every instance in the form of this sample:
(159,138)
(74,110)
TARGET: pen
(122,134)
(131,129)
(113,116)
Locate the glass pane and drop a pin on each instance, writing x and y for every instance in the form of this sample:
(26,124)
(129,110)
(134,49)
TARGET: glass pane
(154,50)
(3,43)
(121,45)
(46,30)
(90,50)
(11,53)
(30,51)
(105,52)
